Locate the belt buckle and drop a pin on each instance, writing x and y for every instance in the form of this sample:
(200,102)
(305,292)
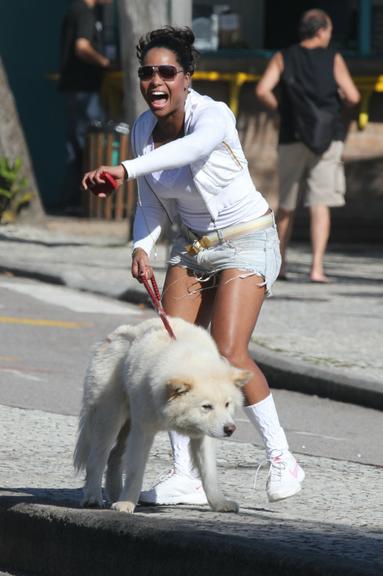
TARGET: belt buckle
(194,248)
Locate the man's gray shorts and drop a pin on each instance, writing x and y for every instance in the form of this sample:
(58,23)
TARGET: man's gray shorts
(321,178)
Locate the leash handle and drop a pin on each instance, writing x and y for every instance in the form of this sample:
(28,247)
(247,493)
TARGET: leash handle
(155,297)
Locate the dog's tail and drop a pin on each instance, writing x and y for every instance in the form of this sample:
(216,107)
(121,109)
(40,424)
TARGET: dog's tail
(83,444)
(104,406)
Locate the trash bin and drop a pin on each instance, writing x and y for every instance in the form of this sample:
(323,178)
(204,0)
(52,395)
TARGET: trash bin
(108,143)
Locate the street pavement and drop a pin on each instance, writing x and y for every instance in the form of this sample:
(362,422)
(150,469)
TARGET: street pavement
(319,339)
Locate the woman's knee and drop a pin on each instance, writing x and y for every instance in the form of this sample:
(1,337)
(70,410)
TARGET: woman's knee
(237,356)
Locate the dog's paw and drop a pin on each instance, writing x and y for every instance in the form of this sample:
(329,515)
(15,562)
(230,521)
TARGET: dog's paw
(225,506)
(124,506)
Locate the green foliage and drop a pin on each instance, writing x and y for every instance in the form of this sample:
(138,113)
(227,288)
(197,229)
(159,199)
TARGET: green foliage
(14,193)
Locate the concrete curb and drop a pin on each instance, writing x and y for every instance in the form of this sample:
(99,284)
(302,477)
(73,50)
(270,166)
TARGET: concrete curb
(298,376)
(281,372)
(55,541)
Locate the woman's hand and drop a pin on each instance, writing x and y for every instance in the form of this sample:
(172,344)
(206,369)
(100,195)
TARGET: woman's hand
(141,267)
(94,178)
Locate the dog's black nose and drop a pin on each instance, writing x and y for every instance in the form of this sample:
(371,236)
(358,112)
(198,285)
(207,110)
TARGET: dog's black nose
(229,429)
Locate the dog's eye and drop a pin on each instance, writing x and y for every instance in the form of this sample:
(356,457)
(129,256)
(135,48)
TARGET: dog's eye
(227,404)
(207,407)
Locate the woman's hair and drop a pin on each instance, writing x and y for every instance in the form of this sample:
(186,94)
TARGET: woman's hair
(312,21)
(178,40)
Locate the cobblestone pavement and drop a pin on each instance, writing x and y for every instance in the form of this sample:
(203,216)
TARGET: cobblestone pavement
(337,496)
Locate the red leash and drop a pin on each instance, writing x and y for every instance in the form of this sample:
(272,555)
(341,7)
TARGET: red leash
(155,297)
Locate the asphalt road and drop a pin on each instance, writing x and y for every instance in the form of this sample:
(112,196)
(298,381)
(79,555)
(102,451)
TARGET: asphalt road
(46,335)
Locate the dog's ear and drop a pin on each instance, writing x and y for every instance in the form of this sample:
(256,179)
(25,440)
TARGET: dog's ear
(176,387)
(241,377)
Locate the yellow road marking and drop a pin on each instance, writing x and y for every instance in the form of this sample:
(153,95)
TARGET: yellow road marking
(41,322)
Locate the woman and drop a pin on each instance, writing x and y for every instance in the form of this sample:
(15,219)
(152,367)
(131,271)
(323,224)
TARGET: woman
(190,165)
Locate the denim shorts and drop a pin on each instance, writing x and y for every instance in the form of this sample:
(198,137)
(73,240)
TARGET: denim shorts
(256,253)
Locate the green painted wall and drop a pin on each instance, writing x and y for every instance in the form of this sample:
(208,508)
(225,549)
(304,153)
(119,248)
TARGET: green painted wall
(29,46)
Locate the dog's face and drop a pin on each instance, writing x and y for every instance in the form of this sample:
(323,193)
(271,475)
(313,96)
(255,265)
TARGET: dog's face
(205,404)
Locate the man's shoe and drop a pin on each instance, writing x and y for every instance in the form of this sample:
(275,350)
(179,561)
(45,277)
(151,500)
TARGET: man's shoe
(176,488)
(285,477)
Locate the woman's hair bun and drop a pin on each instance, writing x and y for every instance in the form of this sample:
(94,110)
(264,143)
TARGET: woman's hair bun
(179,40)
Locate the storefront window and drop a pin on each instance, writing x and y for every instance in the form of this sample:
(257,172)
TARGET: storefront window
(268,25)
(232,25)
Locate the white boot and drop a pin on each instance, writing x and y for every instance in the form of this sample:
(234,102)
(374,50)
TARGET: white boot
(285,474)
(182,484)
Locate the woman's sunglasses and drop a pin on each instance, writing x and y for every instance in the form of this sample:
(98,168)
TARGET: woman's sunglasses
(165,71)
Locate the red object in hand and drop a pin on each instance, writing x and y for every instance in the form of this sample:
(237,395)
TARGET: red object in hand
(105,188)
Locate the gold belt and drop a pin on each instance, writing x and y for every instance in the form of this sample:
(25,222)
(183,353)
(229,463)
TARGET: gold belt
(199,243)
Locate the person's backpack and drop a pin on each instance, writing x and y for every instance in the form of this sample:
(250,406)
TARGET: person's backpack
(314,126)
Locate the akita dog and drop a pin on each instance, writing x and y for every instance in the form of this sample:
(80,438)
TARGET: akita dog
(141,381)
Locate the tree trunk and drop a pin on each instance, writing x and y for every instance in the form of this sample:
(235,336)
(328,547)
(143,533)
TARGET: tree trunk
(13,145)
(137,17)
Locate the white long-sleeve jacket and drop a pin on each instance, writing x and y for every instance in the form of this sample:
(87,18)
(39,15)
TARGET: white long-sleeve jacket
(211,148)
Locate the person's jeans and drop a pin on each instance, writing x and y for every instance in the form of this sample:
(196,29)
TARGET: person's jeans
(256,253)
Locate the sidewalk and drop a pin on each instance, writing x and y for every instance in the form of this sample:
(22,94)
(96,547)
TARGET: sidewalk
(321,339)
(333,527)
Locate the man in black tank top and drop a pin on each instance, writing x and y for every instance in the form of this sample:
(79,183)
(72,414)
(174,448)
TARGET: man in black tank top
(314,82)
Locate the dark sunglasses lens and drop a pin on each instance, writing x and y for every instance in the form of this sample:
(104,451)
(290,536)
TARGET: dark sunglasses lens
(166,72)
(145,72)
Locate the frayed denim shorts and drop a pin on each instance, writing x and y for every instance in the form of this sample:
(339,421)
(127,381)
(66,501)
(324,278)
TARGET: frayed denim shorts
(256,253)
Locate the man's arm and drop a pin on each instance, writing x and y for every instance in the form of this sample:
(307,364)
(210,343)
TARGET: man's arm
(268,81)
(85,51)
(348,91)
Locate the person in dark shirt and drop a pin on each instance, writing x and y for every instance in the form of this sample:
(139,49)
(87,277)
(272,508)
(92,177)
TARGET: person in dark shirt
(324,80)
(81,70)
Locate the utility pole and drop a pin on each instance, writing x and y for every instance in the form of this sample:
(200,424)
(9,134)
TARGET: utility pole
(180,12)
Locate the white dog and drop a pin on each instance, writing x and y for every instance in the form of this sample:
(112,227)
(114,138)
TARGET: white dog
(141,381)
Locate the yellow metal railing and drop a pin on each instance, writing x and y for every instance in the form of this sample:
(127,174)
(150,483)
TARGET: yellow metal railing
(367,85)
(235,79)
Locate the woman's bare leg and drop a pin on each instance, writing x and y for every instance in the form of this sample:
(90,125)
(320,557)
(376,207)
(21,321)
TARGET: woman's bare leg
(224,307)
(237,305)
(236,308)
(185,297)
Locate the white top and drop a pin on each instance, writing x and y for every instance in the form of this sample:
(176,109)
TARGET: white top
(202,177)
(178,184)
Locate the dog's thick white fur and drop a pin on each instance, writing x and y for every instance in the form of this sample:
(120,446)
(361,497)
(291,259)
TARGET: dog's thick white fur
(140,381)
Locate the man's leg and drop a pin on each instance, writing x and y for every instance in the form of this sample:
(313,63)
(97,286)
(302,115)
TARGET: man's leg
(320,232)
(326,189)
(292,160)
(284,219)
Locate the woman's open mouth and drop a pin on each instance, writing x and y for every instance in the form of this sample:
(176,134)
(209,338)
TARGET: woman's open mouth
(158,99)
